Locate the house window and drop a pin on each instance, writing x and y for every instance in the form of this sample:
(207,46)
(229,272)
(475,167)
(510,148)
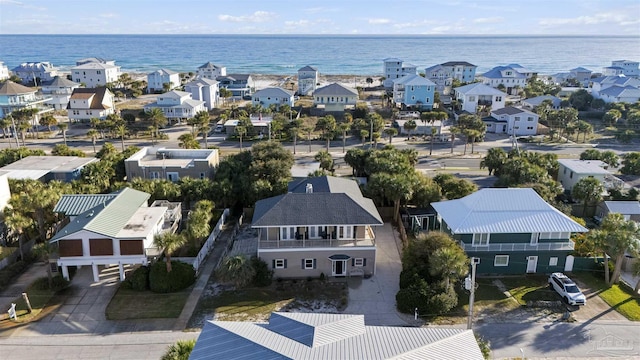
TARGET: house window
(501,260)
(571,175)
(288,233)
(345,232)
(517,118)
(498,98)
(472,98)
(427,100)
(553,261)
(530,118)
(154,175)
(308,264)
(534,238)
(202,175)
(480,239)
(279,263)
(359,262)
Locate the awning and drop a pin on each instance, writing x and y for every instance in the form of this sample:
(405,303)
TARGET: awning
(339,257)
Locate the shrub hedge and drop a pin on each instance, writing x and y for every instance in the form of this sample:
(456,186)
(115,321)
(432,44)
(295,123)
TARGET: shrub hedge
(181,277)
(137,280)
(263,276)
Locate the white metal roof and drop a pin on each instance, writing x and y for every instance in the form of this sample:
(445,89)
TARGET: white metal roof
(512,210)
(584,166)
(623,207)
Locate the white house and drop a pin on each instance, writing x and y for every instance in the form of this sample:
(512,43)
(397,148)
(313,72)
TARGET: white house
(395,69)
(206,90)
(622,67)
(5,191)
(87,103)
(4,71)
(211,71)
(111,229)
(513,121)
(531,103)
(59,90)
(94,72)
(157,79)
(618,88)
(478,94)
(625,94)
(508,76)
(40,71)
(177,105)
(570,171)
(581,75)
(444,74)
(307,80)
(272,95)
(16,97)
(335,97)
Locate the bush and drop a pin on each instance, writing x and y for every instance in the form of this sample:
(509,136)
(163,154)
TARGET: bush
(57,283)
(179,351)
(430,299)
(263,275)
(181,277)
(137,280)
(10,272)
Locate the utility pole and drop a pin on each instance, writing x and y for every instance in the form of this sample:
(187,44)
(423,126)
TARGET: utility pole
(472,294)
(371,133)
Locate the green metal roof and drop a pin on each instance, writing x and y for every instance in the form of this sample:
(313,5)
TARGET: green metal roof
(73,205)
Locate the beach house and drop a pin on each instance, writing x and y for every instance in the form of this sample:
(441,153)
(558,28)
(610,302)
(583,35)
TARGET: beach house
(413,92)
(35,71)
(581,75)
(4,71)
(394,69)
(335,98)
(507,77)
(513,121)
(571,171)
(444,74)
(157,80)
(473,96)
(510,231)
(94,72)
(47,168)
(323,225)
(240,85)
(17,97)
(627,68)
(307,80)
(59,90)
(87,103)
(177,105)
(206,90)
(272,96)
(172,164)
(211,71)
(534,102)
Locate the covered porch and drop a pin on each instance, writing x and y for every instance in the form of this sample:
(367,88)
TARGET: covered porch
(315,236)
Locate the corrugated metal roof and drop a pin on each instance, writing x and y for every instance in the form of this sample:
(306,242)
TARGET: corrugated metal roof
(584,166)
(623,207)
(73,205)
(513,210)
(245,340)
(478,89)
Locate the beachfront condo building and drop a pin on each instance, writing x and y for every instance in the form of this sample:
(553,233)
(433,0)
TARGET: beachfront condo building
(59,90)
(307,80)
(206,90)
(162,80)
(35,72)
(211,71)
(17,97)
(4,71)
(94,72)
(444,74)
(87,103)
(395,69)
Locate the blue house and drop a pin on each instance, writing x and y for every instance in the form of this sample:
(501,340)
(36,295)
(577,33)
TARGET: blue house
(414,91)
(511,231)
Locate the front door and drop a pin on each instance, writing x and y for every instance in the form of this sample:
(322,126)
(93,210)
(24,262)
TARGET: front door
(339,267)
(532,264)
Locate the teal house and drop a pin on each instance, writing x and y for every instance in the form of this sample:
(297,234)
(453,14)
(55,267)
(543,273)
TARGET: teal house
(511,231)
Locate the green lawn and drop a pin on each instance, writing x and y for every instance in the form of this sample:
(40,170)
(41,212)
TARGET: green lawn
(38,299)
(488,298)
(129,304)
(257,303)
(529,288)
(6,251)
(620,297)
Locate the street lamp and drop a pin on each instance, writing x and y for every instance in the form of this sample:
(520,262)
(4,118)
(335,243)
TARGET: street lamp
(470,283)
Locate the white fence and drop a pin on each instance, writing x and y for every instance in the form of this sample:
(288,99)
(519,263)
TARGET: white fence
(208,245)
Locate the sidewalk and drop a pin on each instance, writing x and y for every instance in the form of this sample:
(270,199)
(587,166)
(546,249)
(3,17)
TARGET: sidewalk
(20,285)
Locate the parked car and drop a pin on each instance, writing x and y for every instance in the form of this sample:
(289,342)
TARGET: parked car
(218,129)
(567,289)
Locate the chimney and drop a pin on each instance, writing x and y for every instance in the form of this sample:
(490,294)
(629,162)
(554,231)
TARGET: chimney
(309,189)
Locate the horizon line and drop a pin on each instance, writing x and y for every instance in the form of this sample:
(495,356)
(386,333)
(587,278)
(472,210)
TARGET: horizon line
(336,34)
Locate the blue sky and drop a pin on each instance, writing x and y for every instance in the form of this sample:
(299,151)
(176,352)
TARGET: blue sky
(436,17)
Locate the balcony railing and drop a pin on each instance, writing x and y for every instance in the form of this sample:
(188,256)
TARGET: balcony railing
(485,102)
(314,243)
(566,246)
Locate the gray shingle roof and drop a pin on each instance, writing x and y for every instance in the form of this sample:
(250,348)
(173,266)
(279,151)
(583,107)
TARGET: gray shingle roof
(335,89)
(273,92)
(513,210)
(509,110)
(308,68)
(11,88)
(329,336)
(454,63)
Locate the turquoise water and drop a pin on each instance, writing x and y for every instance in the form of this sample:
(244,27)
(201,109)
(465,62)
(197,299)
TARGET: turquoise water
(335,54)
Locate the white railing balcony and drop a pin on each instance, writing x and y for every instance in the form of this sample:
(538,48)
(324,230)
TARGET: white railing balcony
(543,246)
(314,243)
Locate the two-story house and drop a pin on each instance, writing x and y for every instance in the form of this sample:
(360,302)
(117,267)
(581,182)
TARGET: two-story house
(4,71)
(108,229)
(172,164)
(16,97)
(206,90)
(510,231)
(94,72)
(322,225)
(507,76)
(618,88)
(157,80)
(307,80)
(59,90)
(581,75)
(177,105)
(87,103)
(472,96)
(35,72)
(444,74)
(413,91)
(211,71)
(570,171)
(394,69)
(335,97)
(513,121)
(272,96)
(627,68)
(240,85)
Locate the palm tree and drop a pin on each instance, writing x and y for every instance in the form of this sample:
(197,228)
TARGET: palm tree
(364,134)
(241,131)
(181,350)
(308,129)
(43,252)
(327,125)
(390,132)
(63,127)
(434,132)
(157,119)
(453,130)
(5,124)
(409,125)
(18,223)
(450,262)
(121,130)
(187,141)
(325,159)
(93,134)
(170,242)
(344,127)
(236,269)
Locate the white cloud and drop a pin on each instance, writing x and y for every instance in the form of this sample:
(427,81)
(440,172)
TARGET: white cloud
(320,9)
(297,23)
(623,18)
(108,15)
(379,21)
(488,20)
(416,24)
(21,4)
(256,17)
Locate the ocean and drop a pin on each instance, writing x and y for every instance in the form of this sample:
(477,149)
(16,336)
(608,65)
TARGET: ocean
(331,54)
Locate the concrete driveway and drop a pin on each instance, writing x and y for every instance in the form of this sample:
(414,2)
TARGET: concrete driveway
(376,297)
(596,308)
